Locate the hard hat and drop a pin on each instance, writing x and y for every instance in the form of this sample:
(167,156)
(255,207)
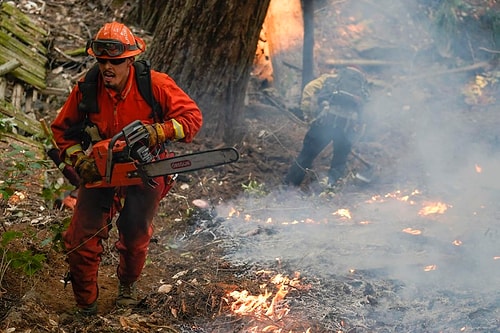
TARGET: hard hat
(115,40)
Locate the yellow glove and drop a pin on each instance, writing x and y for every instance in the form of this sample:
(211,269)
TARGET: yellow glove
(86,168)
(159,133)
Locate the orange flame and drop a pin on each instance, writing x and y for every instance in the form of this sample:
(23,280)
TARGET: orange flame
(233,212)
(478,168)
(343,212)
(412,231)
(430,268)
(245,304)
(433,208)
(262,305)
(397,195)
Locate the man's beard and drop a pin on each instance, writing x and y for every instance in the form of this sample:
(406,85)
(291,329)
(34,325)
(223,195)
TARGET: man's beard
(110,86)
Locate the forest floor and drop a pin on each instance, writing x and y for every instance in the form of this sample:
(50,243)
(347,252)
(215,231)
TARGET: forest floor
(189,275)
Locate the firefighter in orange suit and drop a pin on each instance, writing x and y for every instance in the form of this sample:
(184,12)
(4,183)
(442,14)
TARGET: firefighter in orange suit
(119,103)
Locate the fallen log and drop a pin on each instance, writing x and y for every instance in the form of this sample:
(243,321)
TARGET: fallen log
(20,119)
(361,62)
(36,146)
(473,67)
(53,91)
(22,39)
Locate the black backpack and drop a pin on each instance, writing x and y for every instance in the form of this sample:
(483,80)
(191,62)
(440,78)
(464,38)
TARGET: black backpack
(349,88)
(88,104)
(88,87)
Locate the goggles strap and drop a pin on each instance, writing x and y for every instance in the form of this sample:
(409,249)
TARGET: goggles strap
(112,48)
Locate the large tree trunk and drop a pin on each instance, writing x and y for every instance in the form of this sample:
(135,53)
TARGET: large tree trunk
(208,47)
(308,49)
(146,13)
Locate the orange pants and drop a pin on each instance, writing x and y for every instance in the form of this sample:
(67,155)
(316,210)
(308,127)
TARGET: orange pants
(91,223)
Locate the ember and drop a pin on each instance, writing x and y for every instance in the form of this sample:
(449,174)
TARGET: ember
(343,213)
(412,231)
(430,268)
(433,208)
(397,195)
(233,212)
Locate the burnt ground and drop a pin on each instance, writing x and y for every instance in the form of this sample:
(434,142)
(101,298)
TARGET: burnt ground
(358,258)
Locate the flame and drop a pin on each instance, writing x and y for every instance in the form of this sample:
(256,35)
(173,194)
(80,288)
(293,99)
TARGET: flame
(266,306)
(430,268)
(433,208)
(375,198)
(412,231)
(457,242)
(245,303)
(233,212)
(397,195)
(356,28)
(343,212)
(478,168)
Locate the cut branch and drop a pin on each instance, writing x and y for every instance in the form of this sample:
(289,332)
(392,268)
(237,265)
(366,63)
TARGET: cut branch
(447,72)
(360,62)
(9,66)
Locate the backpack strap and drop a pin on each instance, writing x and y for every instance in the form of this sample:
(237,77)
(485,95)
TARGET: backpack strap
(145,86)
(88,87)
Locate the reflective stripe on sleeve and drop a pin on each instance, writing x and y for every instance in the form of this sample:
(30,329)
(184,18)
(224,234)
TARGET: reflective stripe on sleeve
(71,151)
(178,129)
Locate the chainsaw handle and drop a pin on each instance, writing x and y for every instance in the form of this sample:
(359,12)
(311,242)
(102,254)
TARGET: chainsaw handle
(132,134)
(109,159)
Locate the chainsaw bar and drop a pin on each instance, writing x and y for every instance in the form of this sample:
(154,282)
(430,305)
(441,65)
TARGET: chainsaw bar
(189,162)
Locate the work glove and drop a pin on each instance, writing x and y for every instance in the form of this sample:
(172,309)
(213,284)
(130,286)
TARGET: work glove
(86,168)
(159,133)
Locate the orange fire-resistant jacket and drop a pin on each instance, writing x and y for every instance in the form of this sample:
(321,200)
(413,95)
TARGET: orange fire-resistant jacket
(118,110)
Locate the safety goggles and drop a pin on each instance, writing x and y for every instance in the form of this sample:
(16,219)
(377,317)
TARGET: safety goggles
(111,48)
(111,61)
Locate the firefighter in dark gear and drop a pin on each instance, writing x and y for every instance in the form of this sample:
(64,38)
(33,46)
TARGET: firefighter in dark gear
(332,106)
(119,103)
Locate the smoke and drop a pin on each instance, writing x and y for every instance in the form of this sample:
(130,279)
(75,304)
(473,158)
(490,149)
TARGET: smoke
(430,147)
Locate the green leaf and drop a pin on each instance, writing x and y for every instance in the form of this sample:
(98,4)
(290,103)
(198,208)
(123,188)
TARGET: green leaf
(8,236)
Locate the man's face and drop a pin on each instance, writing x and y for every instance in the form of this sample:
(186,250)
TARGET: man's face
(115,72)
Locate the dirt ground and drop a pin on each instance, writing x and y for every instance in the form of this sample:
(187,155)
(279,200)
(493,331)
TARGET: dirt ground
(187,279)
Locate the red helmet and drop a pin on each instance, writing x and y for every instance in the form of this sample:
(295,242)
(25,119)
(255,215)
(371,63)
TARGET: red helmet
(115,40)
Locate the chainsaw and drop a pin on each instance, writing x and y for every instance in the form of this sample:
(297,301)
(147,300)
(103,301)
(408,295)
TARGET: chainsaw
(126,159)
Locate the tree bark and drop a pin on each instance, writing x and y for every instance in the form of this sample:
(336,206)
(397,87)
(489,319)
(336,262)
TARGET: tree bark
(208,47)
(308,49)
(147,13)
